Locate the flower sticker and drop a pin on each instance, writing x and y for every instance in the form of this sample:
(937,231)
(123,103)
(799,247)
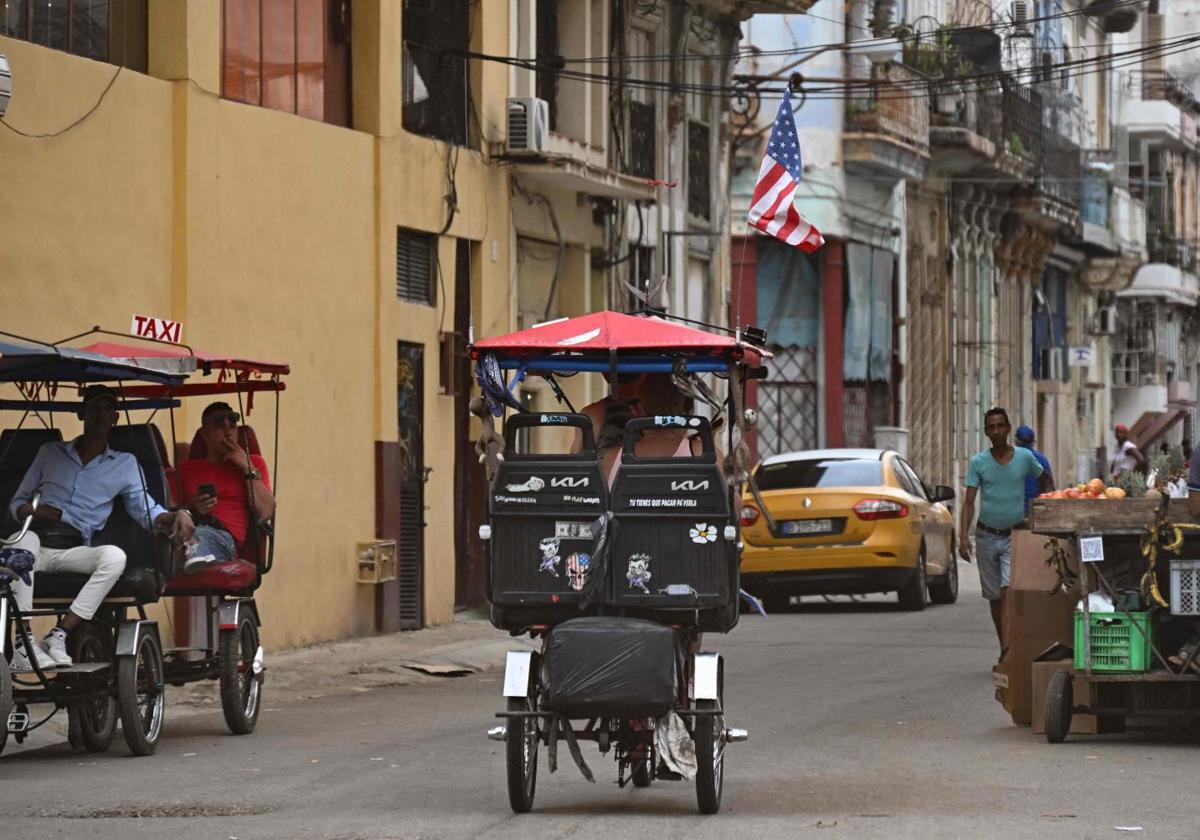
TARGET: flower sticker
(703,533)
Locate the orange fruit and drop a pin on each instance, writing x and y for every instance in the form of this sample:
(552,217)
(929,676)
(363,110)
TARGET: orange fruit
(1096,486)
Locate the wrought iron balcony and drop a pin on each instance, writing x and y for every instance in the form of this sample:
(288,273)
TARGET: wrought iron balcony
(1021,121)
(965,129)
(887,124)
(1062,171)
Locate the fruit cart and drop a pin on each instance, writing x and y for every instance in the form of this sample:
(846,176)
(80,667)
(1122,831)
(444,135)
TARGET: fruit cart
(1128,666)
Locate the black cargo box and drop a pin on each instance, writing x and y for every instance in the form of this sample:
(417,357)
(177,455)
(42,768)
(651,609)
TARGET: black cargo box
(612,667)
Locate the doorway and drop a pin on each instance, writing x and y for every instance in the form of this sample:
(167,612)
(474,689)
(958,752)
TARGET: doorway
(410,396)
(470,485)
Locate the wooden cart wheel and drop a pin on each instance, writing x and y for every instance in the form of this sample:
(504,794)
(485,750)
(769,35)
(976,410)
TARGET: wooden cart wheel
(1060,706)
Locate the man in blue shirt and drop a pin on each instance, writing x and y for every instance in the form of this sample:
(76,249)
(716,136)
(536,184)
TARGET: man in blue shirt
(79,481)
(997,475)
(1033,486)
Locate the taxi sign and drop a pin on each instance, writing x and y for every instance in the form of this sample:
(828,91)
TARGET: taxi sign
(159,329)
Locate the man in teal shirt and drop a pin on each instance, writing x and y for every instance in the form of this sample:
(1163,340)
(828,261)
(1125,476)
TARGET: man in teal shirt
(997,475)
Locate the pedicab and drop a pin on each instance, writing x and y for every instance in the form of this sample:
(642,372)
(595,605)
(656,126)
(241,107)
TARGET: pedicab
(229,649)
(117,655)
(149,378)
(615,583)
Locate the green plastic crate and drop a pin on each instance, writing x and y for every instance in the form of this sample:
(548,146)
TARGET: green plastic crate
(1120,641)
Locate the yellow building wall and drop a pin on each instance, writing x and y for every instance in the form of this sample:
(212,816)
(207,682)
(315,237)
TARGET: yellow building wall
(270,236)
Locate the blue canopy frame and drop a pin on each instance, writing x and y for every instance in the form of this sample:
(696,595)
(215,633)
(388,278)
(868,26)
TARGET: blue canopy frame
(22,360)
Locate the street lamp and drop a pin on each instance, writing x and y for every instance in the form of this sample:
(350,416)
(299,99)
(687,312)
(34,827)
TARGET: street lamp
(5,84)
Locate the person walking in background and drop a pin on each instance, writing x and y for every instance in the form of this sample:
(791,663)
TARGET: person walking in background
(1033,486)
(997,476)
(1128,456)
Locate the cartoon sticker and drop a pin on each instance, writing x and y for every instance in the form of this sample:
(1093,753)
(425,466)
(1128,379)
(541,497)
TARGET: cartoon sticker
(577,569)
(532,485)
(669,420)
(703,533)
(638,572)
(550,558)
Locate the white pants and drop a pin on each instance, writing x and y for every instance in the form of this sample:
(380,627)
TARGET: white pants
(104,564)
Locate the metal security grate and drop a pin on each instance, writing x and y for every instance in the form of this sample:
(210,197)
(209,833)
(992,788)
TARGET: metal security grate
(1185,586)
(787,403)
(643,142)
(415,258)
(698,170)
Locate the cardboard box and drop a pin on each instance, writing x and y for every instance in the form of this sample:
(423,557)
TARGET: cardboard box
(1080,724)
(1029,554)
(1033,621)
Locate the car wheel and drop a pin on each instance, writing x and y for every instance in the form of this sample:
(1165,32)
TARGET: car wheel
(912,596)
(945,591)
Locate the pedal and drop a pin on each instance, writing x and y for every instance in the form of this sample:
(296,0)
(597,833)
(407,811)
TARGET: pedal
(18,723)
(736,736)
(498,733)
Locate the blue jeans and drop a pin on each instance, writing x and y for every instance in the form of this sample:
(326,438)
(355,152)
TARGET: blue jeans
(213,541)
(993,555)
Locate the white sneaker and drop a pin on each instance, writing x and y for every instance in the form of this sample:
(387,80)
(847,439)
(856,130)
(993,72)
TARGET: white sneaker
(56,647)
(20,661)
(195,564)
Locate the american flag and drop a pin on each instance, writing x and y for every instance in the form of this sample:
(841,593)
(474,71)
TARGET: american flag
(772,209)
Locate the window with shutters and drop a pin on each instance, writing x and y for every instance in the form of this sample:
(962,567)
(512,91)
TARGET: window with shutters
(415,266)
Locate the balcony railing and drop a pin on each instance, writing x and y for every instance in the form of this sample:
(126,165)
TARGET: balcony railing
(1180,253)
(1062,170)
(974,110)
(899,112)
(1021,112)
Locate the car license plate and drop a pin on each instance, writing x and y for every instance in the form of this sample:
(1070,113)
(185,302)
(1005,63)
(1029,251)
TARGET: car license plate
(807,526)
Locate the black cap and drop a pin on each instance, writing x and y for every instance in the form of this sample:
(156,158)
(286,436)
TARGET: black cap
(100,392)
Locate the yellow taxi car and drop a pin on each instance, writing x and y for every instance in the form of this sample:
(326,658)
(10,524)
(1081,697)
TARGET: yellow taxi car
(844,522)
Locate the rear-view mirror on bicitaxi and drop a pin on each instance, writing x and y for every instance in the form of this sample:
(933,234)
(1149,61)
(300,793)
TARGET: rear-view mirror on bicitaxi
(942,493)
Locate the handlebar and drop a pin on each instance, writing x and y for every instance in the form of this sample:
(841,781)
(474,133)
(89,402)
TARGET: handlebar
(34,500)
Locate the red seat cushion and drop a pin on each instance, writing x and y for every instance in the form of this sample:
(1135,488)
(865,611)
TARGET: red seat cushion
(226,576)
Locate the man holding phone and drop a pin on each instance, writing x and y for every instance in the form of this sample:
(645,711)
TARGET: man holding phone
(226,488)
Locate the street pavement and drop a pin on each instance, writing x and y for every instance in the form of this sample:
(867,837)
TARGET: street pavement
(865,722)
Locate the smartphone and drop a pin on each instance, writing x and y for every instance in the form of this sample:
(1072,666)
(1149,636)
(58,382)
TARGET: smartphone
(208,490)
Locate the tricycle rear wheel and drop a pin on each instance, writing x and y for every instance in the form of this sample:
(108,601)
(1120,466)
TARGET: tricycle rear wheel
(91,723)
(5,698)
(521,749)
(140,695)
(241,688)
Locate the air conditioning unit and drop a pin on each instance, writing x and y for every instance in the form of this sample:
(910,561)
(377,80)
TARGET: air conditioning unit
(5,84)
(1104,321)
(528,125)
(1052,363)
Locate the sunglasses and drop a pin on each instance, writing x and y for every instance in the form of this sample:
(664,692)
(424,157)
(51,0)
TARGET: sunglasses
(221,418)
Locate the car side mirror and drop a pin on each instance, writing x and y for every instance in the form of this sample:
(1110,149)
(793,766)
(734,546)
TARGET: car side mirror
(942,493)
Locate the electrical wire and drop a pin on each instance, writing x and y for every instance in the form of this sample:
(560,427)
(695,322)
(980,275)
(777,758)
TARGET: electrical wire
(750,52)
(74,123)
(843,88)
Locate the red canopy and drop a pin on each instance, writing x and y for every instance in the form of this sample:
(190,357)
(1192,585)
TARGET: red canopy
(203,360)
(604,331)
